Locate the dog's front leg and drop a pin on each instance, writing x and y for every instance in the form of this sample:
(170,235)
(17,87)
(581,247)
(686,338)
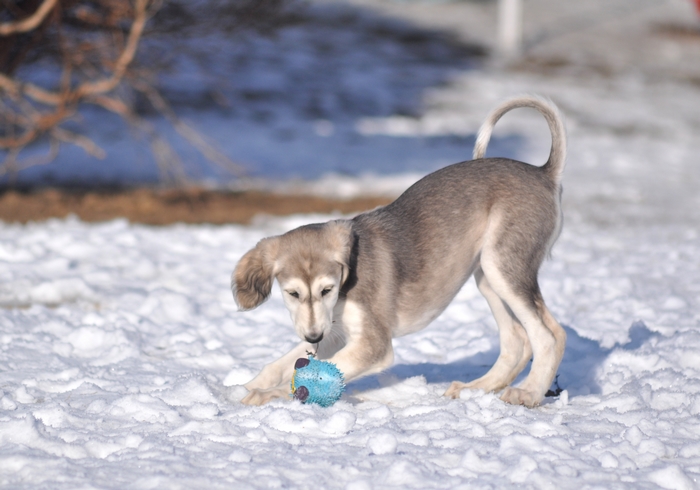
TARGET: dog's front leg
(275,378)
(367,348)
(358,359)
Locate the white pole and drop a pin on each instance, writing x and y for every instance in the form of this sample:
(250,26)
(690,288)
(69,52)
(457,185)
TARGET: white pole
(510,28)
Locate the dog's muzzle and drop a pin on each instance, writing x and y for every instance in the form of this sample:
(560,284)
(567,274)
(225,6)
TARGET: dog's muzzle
(314,340)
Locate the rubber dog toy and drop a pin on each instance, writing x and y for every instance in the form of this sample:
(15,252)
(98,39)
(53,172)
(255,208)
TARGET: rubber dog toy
(319,382)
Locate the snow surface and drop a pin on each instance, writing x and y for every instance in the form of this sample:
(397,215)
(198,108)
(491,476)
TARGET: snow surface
(121,354)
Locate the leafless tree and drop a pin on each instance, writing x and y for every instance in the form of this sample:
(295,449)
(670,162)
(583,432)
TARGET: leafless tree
(92,44)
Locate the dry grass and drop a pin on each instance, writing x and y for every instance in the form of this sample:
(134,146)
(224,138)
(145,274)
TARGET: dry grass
(162,207)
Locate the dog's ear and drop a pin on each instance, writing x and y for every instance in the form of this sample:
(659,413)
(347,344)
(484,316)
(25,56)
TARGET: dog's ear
(342,239)
(251,281)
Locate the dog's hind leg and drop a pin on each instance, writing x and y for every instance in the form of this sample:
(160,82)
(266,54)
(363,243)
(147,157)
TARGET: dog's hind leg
(548,350)
(554,327)
(515,346)
(547,338)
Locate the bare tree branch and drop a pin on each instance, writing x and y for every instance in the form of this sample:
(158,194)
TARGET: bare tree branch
(30,90)
(33,122)
(79,140)
(93,44)
(87,88)
(189,133)
(126,57)
(31,22)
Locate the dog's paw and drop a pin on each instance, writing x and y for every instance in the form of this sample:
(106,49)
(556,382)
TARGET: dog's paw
(265,380)
(518,396)
(261,397)
(256,384)
(455,389)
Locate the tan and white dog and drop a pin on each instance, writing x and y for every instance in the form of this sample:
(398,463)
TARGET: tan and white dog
(352,285)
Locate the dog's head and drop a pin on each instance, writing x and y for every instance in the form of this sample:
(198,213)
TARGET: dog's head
(310,263)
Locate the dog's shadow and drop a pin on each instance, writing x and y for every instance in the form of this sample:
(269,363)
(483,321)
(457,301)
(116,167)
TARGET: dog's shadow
(577,372)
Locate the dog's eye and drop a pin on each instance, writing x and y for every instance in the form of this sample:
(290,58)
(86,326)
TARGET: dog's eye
(326,291)
(293,294)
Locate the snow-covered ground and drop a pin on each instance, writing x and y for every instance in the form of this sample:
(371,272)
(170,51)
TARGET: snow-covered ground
(121,352)
(122,355)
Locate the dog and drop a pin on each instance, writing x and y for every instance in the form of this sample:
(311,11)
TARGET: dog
(352,285)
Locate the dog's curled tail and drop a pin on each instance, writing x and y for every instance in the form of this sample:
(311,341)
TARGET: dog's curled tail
(557,155)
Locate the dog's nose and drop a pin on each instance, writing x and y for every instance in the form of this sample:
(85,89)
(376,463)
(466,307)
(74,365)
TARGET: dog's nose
(314,340)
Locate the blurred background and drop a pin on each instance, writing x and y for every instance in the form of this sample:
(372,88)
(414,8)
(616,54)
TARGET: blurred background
(215,110)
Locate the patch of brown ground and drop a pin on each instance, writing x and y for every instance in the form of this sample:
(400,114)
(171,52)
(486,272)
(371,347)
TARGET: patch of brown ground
(162,207)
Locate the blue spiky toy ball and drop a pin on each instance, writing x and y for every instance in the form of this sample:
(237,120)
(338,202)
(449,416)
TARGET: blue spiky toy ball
(319,382)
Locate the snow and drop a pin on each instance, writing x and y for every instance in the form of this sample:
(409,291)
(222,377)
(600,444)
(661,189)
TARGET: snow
(122,354)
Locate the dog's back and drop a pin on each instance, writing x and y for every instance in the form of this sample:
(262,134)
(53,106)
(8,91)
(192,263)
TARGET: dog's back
(435,231)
